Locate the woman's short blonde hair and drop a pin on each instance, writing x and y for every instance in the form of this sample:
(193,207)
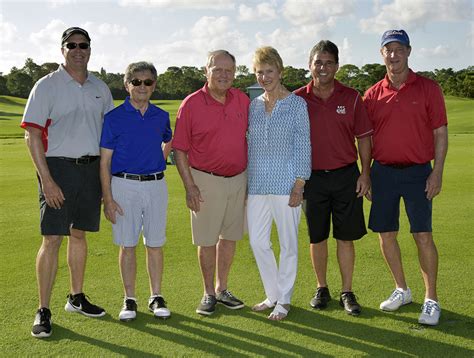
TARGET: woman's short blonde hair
(268,55)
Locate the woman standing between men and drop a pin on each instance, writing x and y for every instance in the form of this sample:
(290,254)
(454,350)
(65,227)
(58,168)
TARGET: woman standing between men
(133,186)
(279,163)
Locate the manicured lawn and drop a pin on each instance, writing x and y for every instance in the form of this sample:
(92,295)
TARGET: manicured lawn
(306,332)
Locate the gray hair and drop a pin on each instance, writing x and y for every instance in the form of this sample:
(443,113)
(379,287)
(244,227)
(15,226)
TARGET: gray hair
(213,54)
(139,67)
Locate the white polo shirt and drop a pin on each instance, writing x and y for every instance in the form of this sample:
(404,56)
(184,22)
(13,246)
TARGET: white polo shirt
(70,114)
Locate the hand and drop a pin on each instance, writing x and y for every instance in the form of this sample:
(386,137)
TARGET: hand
(110,208)
(296,197)
(363,186)
(53,194)
(433,184)
(193,198)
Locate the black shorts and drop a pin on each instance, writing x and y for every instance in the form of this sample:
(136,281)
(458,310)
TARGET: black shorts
(80,184)
(333,193)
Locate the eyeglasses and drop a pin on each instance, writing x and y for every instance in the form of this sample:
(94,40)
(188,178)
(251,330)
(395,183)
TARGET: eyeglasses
(136,82)
(73,45)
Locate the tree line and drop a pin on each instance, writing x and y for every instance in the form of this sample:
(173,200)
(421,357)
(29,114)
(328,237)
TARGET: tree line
(178,82)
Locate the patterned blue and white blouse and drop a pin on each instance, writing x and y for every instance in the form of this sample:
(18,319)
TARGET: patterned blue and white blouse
(279,146)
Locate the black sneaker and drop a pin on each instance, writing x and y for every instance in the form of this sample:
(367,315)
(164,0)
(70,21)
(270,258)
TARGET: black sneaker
(79,303)
(349,302)
(42,324)
(229,300)
(129,310)
(207,305)
(157,305)
(321,298)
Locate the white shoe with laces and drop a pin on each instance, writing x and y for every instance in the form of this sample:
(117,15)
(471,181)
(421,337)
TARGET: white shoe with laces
(397,299)
(430,312)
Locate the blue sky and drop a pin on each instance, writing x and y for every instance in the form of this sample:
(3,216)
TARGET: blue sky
(181,32)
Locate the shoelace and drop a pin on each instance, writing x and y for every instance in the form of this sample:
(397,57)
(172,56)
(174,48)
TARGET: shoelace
(45,316)
(351,298)
(228,294)
(207,299)
(429,307)
(396,295)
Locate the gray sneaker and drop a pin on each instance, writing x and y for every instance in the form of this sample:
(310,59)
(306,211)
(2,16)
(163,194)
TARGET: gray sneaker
(207,305)
(229,300)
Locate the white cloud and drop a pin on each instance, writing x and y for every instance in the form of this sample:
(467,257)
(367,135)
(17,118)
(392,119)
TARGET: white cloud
(345,52)
(438,51)
(307,12)
(180,4)
(112,29)
(412,14)
(8,30)
(262,12)
(54,4)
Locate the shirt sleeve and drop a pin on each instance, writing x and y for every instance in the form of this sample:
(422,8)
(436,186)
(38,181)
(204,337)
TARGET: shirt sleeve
(182,131)
(38,108)
(168,134)
(362,124)
(436,107)
(108,138)
(302,147)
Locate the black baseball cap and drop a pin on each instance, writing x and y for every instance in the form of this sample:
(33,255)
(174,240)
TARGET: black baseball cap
(74,30)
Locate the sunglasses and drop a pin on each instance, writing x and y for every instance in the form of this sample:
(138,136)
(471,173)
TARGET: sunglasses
(73,45)
(136,82)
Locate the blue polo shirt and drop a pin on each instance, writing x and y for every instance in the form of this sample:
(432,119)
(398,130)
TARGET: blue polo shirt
(135,139)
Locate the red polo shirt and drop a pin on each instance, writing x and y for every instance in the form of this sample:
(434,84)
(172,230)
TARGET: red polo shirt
(213,134)
(333,125)
(404,119)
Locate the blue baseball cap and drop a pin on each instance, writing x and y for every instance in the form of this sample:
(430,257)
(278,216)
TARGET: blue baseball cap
(395,35)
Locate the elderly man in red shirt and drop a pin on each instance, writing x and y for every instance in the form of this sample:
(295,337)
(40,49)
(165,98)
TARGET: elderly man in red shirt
(410,129)
(210,148)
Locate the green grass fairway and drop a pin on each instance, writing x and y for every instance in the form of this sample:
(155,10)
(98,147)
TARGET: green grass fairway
(306,332)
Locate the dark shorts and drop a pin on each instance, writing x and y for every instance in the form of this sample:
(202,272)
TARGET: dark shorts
(333,193)
(388,186)
(80,184)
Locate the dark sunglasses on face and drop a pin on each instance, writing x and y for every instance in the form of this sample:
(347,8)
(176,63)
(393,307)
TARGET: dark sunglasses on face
(73,45)
(136,82)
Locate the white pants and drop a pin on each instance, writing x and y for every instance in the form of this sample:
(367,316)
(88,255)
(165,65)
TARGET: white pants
(278,282)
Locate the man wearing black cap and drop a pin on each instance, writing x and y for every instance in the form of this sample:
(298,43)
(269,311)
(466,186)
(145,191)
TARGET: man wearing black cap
(410,129)
(63,121)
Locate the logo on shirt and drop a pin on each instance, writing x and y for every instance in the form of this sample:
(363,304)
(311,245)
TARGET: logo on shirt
(341,110)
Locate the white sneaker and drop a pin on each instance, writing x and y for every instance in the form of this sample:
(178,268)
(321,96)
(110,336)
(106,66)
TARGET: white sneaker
(430,312)
(397,299)
(129,310)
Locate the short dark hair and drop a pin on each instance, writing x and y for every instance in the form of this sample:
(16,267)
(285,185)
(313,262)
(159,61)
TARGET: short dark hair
(139,67)
(325,46)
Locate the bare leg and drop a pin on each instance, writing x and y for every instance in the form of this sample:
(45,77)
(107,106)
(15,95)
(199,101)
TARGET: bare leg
(225,256)
(154,261)
(319,258)
(46,267)
(128,269)
(428,256)
(207,262)
(346,259)
(391,253)
(76,259)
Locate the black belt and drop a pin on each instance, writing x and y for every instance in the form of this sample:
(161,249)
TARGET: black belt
(402,166)
(334,170)
(140,177)
(86,159)
(215,174)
